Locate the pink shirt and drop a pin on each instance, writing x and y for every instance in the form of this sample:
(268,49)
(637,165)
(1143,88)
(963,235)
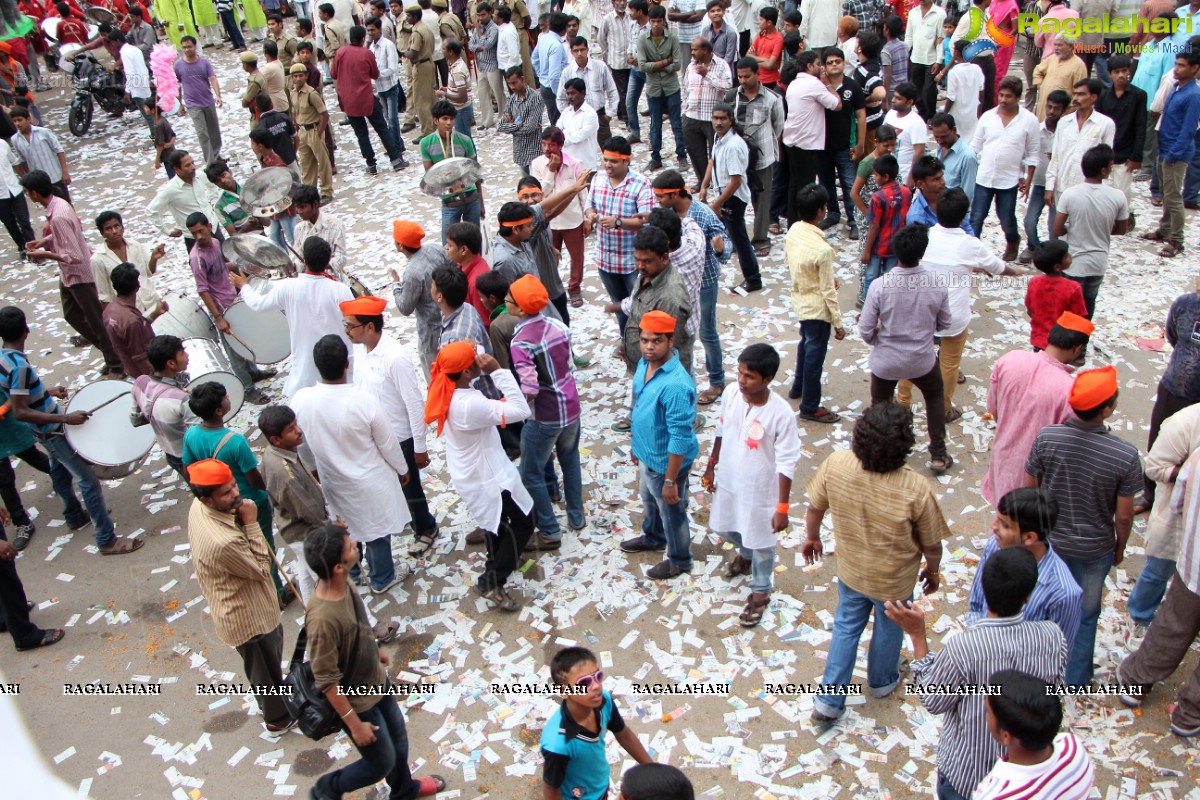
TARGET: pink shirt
(63,235)
(1046,40)
(1029,391)
(807,99)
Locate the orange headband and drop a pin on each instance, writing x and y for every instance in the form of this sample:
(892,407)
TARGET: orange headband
(661,192)
(612,154)
(514,223)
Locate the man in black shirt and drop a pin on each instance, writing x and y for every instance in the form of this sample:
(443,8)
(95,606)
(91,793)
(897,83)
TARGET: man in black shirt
(1125,105)
(281,128)
(869,77)
(838,157)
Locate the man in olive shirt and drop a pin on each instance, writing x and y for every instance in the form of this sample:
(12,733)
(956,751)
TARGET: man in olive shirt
(256,82)
(420,56)
(285,42)
(658,57)
(312,120)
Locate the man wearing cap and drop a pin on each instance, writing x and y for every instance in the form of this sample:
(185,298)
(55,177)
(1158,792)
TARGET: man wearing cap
(541,357)
(1094,476)
(1028,392)
(312,120)
(310,300)
(256,81)
(354,69)
(483,475)
(412,293)
(420,56)
(382,370)
(664,442)
(233,565)
(361,465)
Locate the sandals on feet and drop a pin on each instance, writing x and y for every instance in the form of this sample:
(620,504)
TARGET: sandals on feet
(752,614)
(1170,250)
(422,542)
(822,415)
(938,466)
(576,301)
(739,566)
(710,395)
(497,598)
(954,415)
(775,229)
(48,638)
(120,547)
(623,425)
(1153,236)
(385,632)
(431,785)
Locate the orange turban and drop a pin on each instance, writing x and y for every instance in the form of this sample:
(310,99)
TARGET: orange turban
(1073,322)
(529,293)
(408,234)
(365,306)
(657,322)
(5,47)
(209,472)
(451,360)
(1093,387)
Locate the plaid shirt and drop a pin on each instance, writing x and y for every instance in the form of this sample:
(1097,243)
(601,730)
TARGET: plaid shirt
(631,197)
(690,261)
(541,357)
(483,45)
(705,91)
(526,126)
(889,207)
(867,12)
(713,228)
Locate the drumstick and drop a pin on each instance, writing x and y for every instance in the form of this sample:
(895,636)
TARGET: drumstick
(249,349)
(107,402)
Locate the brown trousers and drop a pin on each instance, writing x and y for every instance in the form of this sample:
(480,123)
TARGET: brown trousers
(82,310)
(1175,628)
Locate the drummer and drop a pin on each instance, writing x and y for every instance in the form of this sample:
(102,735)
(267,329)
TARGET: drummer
(310,301)
(315,222)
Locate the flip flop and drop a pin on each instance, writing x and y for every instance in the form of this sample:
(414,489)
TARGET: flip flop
(577,301)
(431,785)
(822,415)
(422,542)
(498,598)
(122,546)
(938,466)
(1170,250)
(710,395)
(48,638)
(385,632)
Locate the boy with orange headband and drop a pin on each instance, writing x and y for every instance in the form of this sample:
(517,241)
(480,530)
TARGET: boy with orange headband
(485,478)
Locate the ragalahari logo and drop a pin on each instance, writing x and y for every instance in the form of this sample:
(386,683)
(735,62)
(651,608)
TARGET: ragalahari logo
(985,36)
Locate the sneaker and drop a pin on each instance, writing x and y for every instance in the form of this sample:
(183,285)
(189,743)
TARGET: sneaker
(654,164)
(1131,700)
(640,545)
(665,570)
(23,533)
(372,169)
(1186,733)
(284,728)
(400,163)
(682,161)
(403,570)
(1026,256)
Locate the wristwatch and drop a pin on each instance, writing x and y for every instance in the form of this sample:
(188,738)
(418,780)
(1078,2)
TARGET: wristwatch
(668,482)
(618,222)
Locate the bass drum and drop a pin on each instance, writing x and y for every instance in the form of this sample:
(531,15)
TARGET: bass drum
(185,318)
(208,362)
(260,337)
(108,440)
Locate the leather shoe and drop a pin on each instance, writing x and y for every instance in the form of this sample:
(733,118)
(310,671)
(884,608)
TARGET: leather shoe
(747,286)
(1010,251)
(477,536)
(1026,256)
(539,543)
(640,545)
(665,570)
(829,222)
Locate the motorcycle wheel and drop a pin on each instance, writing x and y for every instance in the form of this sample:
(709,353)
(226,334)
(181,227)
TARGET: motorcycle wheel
(79,118)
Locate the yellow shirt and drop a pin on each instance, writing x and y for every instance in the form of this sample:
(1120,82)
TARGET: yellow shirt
(307,105)
(810,260)
(1055,73)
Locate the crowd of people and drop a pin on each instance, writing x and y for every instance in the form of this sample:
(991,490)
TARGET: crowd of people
(773,111)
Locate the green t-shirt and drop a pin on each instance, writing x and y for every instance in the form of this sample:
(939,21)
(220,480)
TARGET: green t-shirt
(230,208)
(433,149)
(199,444)
(866,167)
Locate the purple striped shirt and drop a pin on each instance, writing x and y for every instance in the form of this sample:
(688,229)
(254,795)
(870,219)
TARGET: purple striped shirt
(541,356)
(63,235)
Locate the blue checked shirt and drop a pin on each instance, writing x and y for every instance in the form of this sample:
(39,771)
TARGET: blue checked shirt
(1056,597)
(541,356)
(631,197)
(663,412)
(483,43)
(713,228)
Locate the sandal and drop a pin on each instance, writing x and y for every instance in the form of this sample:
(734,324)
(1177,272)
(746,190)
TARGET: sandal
(498,598)
(431,785)
(120,547)
(763,252)
(385,632)
(1170,250)
(1156,201)
(1154,236)
(822,415)
(710,395)
(422,542)
(752,614)
(775,229)
(48,638)
(954,414)
(739,566)
(576,301)
(623,425)
(938,466)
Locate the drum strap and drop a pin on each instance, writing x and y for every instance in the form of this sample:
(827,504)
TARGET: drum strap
(222,443)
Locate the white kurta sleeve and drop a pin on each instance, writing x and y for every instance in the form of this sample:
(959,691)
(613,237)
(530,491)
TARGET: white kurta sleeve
(403,377)
(268,298)
(481,412)
(385,440)
(787,442)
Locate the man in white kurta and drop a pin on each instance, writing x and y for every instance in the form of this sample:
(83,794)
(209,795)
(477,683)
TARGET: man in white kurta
(485,478)
(309,301)
(382,369)
(358,458)
(753,460)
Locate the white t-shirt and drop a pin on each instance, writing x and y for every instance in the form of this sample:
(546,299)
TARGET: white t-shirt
(1067,774)
(1091,210)
(952,256)
(912,132)
(963,85)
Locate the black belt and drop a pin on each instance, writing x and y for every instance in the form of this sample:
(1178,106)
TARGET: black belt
(309,127)
(424,60)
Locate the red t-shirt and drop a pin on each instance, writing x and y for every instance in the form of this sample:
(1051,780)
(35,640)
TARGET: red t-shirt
(1047,297)
(473,269)
(769,45)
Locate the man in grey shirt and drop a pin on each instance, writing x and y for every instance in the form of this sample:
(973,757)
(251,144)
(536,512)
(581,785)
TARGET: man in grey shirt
(903,310)
(412,291)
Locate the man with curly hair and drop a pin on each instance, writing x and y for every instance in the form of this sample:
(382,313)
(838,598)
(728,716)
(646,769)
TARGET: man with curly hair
(879,547)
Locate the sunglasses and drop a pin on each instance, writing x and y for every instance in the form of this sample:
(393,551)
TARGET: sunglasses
(586,681)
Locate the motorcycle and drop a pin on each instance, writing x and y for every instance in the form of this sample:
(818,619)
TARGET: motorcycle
(93,85)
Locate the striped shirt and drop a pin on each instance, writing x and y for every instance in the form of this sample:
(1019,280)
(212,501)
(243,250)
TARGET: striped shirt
(63,235)
(687,31)
(233,567)
(541,357)
(1185,501)
(632,196)
(526,126)
(464,324)
(483,44)
(614,40)
(966,750)
(713,229)
(39,151)
(1056,597)
(1086,468)
(689,261)
(1067,774)
(664,409)
(18,377)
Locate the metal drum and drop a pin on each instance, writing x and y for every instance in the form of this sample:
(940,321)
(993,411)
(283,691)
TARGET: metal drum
(258,256)
(108,440)
(450,177)
(258,336)
(357,287)
(185,318)
(207,362)
(267,192)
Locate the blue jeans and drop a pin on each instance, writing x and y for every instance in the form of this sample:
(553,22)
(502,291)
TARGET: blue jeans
(945,791)
(283,230)
(637,82)
(883,654)
(1090,284)
(390,100)
(468,213)
(1148,592)
(1006,210)
(674,108)
(762,562)
(66,469)
(810,363)
(386,757)
(229,20)
(713,357)
(619,285)
(301,7)
(1090,575)
(836,167)
(666,524)
(383,567)
(876,267)
(1033,215)
(539,444)
(464,121)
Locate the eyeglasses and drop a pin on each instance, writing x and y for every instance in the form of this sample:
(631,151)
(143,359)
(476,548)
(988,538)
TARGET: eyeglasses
(352,325)
(586,681)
